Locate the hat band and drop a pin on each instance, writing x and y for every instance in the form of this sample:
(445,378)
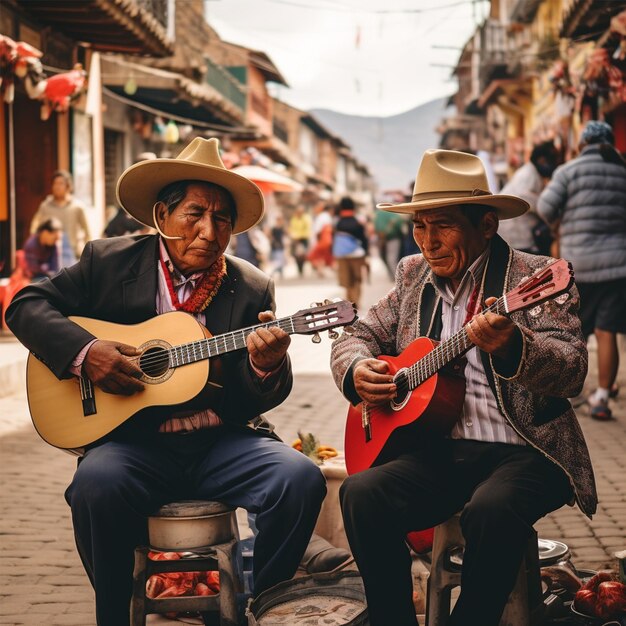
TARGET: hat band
(436,195)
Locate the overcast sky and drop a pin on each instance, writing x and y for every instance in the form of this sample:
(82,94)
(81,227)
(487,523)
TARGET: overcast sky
(364,57)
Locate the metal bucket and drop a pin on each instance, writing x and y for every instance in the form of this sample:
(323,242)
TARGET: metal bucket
(189,525)
(331,599)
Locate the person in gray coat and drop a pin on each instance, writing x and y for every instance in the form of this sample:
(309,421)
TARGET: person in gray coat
(587,199)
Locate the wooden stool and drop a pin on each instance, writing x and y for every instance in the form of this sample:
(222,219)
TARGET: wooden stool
(209,529)
(524,606)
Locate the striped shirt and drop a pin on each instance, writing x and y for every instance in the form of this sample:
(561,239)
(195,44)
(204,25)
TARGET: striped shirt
(480,419)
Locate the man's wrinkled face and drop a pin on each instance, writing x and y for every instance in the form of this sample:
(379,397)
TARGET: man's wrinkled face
(203,220)
(449,241)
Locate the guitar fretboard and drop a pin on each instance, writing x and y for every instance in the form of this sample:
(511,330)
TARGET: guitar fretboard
(221,344)
(445,352)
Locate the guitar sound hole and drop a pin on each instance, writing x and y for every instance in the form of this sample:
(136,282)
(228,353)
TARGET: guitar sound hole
(402,384)
(154,362)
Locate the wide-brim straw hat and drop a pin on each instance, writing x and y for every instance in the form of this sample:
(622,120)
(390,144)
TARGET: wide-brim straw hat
(139,186)
(448,177)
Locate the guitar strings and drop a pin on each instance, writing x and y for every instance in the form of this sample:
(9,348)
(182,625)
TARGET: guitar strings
(157,357)
(431,359)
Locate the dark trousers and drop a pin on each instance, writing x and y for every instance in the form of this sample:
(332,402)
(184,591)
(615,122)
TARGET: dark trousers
(502,491)
(118,484)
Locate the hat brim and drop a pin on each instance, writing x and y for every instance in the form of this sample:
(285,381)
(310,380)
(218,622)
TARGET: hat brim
(139,186)
(507,207)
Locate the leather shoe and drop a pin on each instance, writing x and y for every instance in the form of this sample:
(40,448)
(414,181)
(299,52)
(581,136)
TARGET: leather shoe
(321,556)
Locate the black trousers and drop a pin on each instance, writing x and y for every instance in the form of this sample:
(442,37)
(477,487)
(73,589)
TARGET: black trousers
(502,491)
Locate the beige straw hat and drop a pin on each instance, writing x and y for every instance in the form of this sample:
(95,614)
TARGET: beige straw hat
(448,177)
(139,185)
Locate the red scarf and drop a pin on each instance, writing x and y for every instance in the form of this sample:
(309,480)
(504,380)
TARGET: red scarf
(203,292)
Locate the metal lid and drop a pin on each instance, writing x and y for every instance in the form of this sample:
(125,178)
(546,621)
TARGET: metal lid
(551,552)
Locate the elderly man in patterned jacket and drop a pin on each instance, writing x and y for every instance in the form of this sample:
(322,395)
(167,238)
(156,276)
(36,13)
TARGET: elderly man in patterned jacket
(516,452)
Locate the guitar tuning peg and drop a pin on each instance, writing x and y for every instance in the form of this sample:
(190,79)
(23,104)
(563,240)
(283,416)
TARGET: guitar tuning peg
(313,305)
(333,334)
(349,330)
(316,338)
(319,303)
(327,301)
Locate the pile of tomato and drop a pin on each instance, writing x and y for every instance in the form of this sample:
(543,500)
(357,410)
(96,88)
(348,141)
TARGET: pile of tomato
(174,584)
(602,596)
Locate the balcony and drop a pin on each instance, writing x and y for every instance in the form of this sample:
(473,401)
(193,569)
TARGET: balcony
(224,83)
(125,26)
(494,50)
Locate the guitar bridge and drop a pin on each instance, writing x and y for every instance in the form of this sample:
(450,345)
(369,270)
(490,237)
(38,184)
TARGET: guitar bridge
(87,396)
(366,423)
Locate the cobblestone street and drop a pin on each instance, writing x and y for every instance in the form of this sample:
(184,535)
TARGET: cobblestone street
(41,578)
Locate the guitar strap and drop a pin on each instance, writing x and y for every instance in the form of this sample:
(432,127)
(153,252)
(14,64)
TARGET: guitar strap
(431,323)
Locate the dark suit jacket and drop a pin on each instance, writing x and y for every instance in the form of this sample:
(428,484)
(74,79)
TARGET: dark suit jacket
(116,281)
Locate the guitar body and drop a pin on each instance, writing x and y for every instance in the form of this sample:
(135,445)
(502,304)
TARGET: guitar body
(56,407)
(431,408)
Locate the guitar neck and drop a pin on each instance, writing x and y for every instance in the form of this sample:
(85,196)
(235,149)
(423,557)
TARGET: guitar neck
(221,344)
(447,351)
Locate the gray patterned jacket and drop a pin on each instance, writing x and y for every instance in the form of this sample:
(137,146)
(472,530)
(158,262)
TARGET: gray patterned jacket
(552,368)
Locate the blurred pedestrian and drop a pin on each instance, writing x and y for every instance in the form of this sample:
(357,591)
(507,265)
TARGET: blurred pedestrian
(246,248)
(41,250)
(321,254)
(300,229)
(529,233)
(389,229)
(277,237)
(587,198)
(350,249)
(62,205)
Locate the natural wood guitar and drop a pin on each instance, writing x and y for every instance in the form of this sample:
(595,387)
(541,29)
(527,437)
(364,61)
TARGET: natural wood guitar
(430,382)
(175,361)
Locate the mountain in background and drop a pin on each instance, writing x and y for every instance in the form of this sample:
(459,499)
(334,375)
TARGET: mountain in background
(391,147)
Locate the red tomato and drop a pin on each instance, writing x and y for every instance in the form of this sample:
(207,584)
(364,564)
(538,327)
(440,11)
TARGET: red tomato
(213,581)
(585,602)
(600,577)
(203,590)
(611,599)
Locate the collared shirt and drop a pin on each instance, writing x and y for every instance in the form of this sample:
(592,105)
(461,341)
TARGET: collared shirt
(184,421)
(480,419)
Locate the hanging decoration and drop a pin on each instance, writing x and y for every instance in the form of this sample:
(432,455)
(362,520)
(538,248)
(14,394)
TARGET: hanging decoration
(17,60)
(171,134)
(564,101)
(21,60)
(61,89)
(130,86)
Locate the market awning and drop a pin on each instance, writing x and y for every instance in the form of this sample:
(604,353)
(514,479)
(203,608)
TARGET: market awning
(126,26)
(170,92)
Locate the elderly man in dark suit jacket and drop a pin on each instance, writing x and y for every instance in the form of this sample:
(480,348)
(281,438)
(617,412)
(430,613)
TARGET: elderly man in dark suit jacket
(189,451)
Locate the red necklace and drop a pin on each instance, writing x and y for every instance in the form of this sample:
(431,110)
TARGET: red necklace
(203,292)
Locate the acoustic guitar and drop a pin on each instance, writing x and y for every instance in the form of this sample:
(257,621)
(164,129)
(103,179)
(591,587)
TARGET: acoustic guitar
(430,382)
(176,353)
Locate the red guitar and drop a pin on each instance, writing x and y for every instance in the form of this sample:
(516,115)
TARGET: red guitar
(431,386)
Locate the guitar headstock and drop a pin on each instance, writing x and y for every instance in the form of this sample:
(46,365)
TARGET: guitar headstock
(325,315)
(544,284)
